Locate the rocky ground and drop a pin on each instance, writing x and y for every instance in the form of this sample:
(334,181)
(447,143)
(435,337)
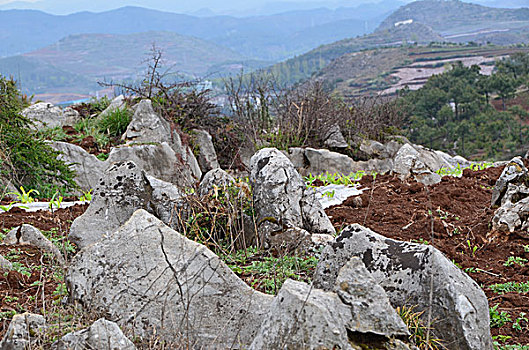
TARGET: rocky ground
(396,209)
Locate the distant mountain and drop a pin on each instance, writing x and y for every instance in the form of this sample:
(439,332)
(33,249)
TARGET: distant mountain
(302,67)
(451,17)
(272,37)
(79,61)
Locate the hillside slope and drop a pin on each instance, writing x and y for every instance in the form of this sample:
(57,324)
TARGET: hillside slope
(96,57)
(450,17)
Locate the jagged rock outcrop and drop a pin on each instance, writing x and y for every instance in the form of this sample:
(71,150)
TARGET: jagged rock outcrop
(22,331)
(124,189)
(207,157)
(147,276)
(146,126)
(356,313)
(102,335)
(511,193)
(405,271)
(87,167)
(334,139)
(46,115)
(281,198)
(30,235)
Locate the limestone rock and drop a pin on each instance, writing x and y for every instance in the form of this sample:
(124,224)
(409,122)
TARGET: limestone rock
(322,160)
(215,178)
(514,172)
(302,317)
(29,235)
(374,149)
(46,115)
(145,275)
(5,264)
(147,126)
(87,167)
(158,160)
(207,158)
(334,138)
(166,201)
(514,209)
(405,270)
(102,334)
(281,199)
(22,331)
(122,191)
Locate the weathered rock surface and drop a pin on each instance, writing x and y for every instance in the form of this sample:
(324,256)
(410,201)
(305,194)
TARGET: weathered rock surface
(5,264)
(147,126)
(29,235)
(334,138)
(145,275)
(302,317)
(215,178)
(281,199)
(122,191)
(514,209)
(46,115)
(405,270)
(158,160)
(102,335)
(515,173)
(207,157)
(88,168)
(22,331)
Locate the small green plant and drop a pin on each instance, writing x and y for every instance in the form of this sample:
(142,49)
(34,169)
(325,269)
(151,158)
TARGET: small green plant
(329,194)
(6,208)
(472,249)
(526,248)
(470,270)
(498,318)
(10,299)
(418,329)
(25,197)
(521,322)
(24,270)
(56,201)
(518,287)
(87,196)
(515,260)
(115,123)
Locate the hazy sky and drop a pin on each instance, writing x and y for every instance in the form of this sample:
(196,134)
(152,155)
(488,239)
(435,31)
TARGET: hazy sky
(218,6)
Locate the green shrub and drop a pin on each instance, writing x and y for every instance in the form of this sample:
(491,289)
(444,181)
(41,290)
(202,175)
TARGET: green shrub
(25,159)
(115,123)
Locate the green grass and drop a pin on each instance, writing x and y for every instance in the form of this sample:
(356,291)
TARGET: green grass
(458,170)
(336,178)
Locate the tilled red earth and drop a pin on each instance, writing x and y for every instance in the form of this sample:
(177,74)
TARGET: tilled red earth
(35,287)
(461,230)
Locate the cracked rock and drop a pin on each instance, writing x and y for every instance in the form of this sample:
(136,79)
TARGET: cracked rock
(207,157)
(405,270)
(22,331)
(514,172)
(149,277)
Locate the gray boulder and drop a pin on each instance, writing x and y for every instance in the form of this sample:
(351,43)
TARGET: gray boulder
(303,317)
(514,172)
(23,331)
(148,277)
(29,235)
(207,157)
(375,149)
(5,264)
(215,178)
(101,335)
(147,126)
(409,162)
(334,139)
(166,201)
(281,198)
(87,167)
(405,271)
(158,160)
(122,191)
(513,212)
(46,115)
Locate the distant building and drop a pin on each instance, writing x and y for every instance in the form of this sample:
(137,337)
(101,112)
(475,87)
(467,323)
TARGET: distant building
(408,21)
